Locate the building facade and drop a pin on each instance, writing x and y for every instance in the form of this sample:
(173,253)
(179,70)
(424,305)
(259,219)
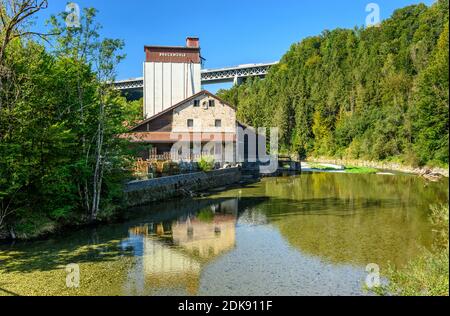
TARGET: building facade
(200,125)
(183,122)
(171,74)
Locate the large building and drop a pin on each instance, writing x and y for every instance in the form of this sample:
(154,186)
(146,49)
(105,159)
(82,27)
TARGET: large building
(202,119)
(171,75)
(183,122)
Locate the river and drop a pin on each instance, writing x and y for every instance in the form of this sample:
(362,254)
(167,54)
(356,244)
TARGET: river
(312,234)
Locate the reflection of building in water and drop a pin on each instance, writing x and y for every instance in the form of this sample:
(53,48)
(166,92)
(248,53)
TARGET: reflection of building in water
(206,239)
(209,234)
(253,217)
(165,266)
(176,262)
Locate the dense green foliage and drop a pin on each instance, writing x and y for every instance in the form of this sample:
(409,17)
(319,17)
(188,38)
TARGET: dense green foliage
(206,163)
(60,162)
(372,93)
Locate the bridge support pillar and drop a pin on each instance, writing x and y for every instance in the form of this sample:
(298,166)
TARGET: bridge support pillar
(238,80)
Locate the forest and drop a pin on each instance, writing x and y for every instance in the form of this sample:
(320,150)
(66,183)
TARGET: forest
(378,93)
(60,160)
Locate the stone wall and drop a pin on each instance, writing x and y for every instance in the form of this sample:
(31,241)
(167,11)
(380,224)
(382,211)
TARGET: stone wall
(146,191)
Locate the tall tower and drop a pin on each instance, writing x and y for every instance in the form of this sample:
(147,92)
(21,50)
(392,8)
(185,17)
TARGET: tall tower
(171,74)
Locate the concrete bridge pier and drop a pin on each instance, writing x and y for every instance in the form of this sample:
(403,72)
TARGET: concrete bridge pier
(238,80)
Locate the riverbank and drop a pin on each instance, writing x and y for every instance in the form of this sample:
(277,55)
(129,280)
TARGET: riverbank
(143,192)
(190,185)
(383,165)
(146,191)
(328,167)
(426,275)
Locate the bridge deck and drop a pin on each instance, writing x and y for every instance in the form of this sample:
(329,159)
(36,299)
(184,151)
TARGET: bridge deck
(209,76)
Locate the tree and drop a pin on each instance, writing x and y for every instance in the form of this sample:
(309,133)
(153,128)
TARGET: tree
(431,102)
(14,17)
(83,47)
(60,159)
(378,93)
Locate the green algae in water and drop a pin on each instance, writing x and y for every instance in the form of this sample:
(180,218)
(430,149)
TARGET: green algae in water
(269,238)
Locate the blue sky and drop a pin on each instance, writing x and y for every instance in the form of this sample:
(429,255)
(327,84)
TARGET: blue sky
(231,32)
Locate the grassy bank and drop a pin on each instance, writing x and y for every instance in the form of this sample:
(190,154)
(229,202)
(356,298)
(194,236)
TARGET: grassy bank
(427,275)
(362,170)
(346,169)
(381,165)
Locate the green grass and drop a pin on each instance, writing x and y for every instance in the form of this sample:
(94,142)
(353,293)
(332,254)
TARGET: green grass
(318,166)
(348,169)
(427,275)
(362,170)
(424,276)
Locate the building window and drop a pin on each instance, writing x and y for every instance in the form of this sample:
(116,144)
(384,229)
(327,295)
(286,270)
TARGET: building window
(190,123)
(218,123)
(212,103)
(196,103)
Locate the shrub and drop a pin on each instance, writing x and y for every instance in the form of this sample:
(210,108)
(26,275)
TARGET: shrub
(206,163)
(429,273)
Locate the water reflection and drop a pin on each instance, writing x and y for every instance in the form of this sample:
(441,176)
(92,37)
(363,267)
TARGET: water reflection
(172,254)
(311,234)
(349,219)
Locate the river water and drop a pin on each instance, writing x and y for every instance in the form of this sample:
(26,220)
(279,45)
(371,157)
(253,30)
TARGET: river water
(312,234)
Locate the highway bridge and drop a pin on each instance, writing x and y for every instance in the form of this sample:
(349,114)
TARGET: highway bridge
(235,74)
(208,76)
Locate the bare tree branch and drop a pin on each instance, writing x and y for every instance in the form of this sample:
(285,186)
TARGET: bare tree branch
(43,36)
(12,14)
